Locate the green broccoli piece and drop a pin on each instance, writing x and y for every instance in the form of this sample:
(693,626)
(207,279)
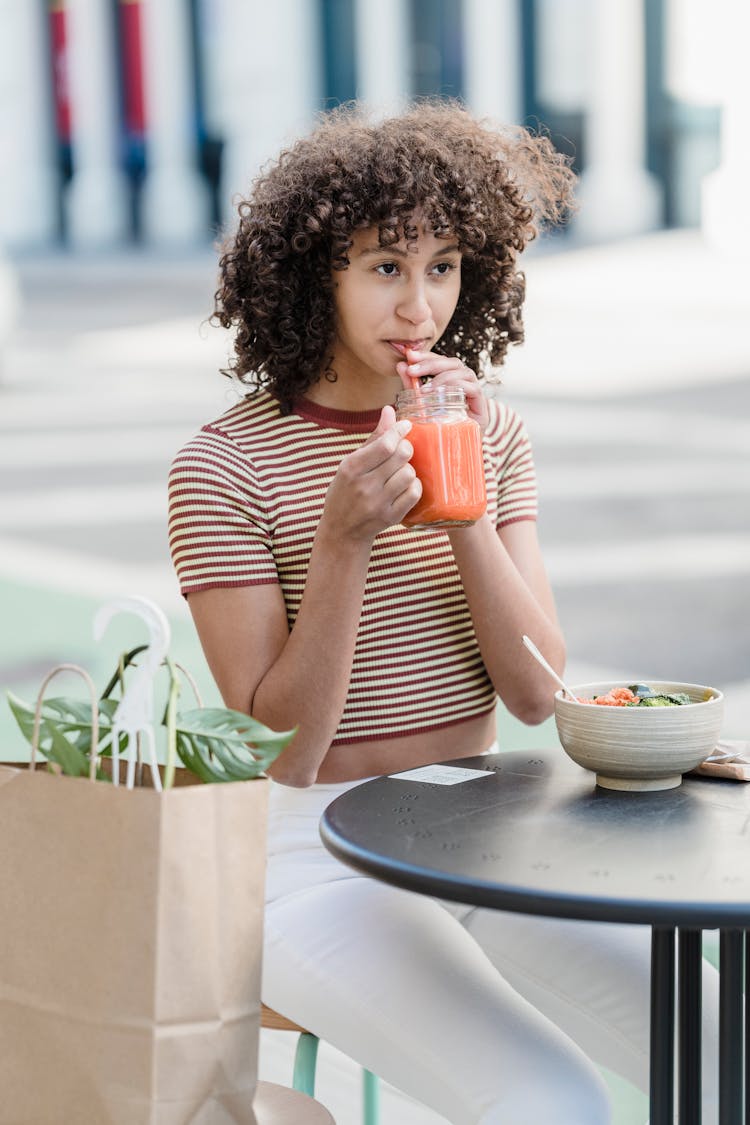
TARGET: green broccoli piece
(647,697)
(656,700)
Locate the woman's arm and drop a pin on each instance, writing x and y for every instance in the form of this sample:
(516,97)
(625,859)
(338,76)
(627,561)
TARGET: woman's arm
(301,678)
(288,679)
(502,573)
(509,594)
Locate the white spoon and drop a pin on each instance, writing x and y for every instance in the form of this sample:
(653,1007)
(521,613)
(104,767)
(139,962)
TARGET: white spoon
(538,656)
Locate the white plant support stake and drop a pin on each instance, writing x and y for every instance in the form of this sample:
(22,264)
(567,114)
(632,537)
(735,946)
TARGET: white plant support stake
(134,714)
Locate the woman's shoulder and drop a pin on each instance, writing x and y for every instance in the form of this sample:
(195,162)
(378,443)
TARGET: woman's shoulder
(251,414)
(229,443)
(240,426)
(505,424)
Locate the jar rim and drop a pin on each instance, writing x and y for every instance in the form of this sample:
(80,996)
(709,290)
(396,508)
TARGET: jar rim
(428,396)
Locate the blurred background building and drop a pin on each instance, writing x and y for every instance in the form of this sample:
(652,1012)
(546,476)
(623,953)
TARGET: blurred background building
(137,121)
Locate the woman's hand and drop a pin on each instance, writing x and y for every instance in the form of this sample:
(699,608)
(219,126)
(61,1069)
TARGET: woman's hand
(375,486)
(446,371)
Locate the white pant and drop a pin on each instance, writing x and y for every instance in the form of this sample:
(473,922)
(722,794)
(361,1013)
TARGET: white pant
(490,1018)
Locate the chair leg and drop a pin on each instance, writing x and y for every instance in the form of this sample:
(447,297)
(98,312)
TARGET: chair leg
(370,1098)
(303,1079)
(305,1058)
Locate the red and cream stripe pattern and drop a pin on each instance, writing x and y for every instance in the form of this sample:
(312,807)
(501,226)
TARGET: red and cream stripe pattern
(245,498)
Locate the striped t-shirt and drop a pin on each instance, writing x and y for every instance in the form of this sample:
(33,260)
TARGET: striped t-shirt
(246,496)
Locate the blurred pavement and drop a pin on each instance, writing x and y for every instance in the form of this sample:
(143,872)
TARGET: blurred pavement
(634,383)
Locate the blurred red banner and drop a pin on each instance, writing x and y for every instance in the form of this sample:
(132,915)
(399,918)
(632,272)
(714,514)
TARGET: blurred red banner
(131,47)
(59,51)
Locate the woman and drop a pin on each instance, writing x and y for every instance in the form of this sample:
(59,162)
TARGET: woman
(368,257)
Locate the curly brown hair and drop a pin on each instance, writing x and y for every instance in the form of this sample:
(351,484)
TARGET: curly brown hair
(490,188)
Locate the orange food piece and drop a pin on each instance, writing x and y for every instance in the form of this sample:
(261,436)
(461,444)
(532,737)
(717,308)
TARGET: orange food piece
(615,697)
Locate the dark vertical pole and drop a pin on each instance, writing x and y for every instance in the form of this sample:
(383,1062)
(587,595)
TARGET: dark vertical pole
(528,47)
(731,1051)
(209,144)
(689,1033)
(658,149)
(198,77)
(450,39)
(662,1025)
(337,33)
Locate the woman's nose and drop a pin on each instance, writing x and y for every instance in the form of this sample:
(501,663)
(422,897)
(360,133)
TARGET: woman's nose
(414,305)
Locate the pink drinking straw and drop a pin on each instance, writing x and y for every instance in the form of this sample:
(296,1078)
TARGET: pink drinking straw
(416,386)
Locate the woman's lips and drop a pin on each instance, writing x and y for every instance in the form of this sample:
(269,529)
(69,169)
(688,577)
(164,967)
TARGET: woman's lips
(401,346)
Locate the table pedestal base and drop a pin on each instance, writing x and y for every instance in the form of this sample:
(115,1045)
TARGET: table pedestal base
(734,1030)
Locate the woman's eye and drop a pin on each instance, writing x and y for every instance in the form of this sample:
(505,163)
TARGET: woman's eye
(387,269)
(443,268)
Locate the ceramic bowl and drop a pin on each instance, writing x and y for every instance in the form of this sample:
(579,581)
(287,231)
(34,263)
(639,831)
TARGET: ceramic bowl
(639,747)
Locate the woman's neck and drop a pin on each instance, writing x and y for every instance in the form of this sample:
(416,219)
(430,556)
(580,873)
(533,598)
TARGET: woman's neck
(354,394)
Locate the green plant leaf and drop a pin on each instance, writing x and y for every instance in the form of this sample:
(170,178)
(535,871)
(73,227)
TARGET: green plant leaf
(234,765)
(22,713)
(54,712)
(217,744)
(226,764)
(198,764)
(70,716)
(66,755)
(224,745)
(234,727)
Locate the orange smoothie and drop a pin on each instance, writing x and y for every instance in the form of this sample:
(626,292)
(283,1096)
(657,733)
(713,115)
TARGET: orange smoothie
(447,459)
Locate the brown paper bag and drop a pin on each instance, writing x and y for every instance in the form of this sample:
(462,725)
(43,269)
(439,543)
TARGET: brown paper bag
(130,950)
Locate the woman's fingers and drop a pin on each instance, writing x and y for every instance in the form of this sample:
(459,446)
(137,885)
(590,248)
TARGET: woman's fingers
(387,456)
(446,371)
(375,486)
(441,369)
(385,441)
(401,491)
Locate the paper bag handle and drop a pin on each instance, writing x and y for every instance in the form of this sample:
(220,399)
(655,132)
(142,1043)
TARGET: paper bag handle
(94,710)
(94,715)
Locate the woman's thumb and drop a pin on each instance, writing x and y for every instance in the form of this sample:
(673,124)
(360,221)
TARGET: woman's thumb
(387,419)
(386,422)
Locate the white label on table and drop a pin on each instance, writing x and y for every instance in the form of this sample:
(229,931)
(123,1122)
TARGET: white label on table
(441,775)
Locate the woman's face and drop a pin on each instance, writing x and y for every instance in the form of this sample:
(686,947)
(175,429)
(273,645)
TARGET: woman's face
(390,298)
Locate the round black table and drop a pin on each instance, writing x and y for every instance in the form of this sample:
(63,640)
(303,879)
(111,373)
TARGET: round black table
(530,832)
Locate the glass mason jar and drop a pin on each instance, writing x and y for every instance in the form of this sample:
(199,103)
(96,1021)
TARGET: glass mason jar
(447,457)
